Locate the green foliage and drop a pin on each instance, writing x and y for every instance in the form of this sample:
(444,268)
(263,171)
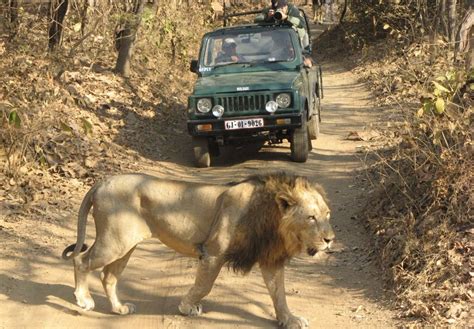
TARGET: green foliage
(442,93)
(86,126)
(14,119)
(170,31)
(65,127)
(147,17)
(126,18)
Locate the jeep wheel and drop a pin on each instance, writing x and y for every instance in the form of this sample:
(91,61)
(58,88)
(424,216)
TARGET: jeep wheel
(202,158)
(299,143)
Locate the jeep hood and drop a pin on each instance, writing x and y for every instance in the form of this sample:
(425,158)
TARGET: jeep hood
(249,81)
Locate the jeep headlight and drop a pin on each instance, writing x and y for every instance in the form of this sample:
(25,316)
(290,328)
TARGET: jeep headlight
(271,107)
(218,111)
(283,100)
(204,105)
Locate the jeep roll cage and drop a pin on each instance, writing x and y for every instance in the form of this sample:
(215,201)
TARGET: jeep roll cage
(226,17)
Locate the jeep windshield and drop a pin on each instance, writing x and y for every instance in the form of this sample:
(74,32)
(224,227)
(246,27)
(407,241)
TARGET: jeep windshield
(249,48)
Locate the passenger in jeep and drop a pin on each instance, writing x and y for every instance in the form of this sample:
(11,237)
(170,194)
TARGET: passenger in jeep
(281,49)
(228,53)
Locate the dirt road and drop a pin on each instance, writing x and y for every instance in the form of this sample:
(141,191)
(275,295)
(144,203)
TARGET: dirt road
(338,290)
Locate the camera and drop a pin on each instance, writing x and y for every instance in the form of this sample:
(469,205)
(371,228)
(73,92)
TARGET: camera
(278,14)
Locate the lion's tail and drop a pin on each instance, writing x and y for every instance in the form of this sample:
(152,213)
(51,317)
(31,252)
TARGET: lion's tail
(78,247)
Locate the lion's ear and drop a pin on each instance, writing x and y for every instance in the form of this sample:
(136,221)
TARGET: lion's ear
(284,201)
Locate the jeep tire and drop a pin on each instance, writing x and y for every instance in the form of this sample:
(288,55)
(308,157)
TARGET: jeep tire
(202,157)
(299,142)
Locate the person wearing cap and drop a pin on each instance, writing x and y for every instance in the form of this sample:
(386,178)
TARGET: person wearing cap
(228,53)
(289,14)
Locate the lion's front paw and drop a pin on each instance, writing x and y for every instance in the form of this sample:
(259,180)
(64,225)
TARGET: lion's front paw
(295,322)
(124,309)
(191,310)
(85,301)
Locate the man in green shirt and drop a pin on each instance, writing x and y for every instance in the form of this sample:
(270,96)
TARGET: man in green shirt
(283,11)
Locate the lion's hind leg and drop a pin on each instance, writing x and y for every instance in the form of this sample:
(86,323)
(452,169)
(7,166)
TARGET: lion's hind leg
(81,292)
(110,275)
(207,272)
(112,259)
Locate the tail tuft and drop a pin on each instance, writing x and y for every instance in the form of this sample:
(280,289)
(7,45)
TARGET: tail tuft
(66,255)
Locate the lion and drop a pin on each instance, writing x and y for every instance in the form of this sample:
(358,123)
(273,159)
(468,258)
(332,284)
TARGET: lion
(265,219)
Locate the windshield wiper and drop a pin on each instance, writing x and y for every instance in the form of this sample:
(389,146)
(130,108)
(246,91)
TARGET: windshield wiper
(278,61)
(252,63)
(234,63)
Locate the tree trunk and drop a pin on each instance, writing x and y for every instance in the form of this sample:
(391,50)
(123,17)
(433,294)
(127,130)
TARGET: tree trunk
(85,15)
(13,10)
(125,39)
(466,45)
(434,35)
(58,10)
(443,18)
(13,18)
(452,20)
(344,10)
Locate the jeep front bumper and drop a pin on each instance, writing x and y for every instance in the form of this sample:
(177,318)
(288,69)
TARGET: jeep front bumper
(216,127)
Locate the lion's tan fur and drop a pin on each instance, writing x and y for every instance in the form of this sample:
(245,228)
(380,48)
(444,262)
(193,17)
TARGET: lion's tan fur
(264,219)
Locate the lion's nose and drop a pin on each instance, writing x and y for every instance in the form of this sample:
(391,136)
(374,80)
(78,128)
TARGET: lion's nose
(329,236)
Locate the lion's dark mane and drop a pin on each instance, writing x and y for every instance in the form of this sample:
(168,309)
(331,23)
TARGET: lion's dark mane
(257,237)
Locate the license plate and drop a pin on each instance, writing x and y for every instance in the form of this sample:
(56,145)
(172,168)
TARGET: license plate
(244,124)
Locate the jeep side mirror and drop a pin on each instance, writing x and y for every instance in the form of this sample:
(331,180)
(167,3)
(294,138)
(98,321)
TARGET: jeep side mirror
(194,66)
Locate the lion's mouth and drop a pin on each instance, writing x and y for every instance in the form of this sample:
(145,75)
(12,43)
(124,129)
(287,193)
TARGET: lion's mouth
(312,251)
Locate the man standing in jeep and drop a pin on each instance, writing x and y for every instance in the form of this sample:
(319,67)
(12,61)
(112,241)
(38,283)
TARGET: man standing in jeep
(282,11)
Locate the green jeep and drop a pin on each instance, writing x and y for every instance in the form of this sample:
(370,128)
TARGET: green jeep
(252,85)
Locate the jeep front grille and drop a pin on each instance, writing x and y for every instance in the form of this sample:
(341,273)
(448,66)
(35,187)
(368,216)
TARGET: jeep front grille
(243,103)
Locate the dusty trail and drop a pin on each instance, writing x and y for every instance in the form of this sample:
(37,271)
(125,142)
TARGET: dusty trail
(339,290)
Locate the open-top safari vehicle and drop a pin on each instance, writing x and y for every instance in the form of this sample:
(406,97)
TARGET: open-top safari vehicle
(253,84)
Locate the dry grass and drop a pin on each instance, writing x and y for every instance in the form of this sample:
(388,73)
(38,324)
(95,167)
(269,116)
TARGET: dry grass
(422,214)
(422,218)
(78,121)
(421,206)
